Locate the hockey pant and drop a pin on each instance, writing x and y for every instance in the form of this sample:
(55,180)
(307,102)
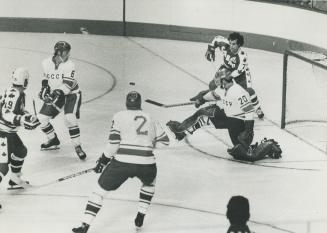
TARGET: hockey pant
(71,104)
(12,151)
(113,176)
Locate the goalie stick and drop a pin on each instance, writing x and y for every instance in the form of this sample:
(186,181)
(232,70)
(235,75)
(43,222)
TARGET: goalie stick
(171,105)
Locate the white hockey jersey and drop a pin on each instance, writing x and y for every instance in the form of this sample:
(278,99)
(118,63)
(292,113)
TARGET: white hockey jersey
(12,108)
(133,136)
(62,77)
(235,101)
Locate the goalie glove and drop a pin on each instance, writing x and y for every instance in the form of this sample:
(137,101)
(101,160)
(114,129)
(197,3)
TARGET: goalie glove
(275,151)
(54,97)
(199,102)
(210,54)
(101,163)
(29,121)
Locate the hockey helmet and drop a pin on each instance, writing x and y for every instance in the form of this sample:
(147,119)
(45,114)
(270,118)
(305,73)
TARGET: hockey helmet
(133,100)
(20,77)
(61,46)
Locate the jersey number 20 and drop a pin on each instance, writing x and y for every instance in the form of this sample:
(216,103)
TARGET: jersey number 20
(139,129)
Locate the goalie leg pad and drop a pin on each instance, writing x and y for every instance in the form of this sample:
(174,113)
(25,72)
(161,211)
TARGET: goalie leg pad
(241,153)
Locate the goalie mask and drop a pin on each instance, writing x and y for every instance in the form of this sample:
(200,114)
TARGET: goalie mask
(133,101)
(222,74)
(20,77)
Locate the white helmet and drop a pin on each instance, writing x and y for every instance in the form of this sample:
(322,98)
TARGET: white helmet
(20,77)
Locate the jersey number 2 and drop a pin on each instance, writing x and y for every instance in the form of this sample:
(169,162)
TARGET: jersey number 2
(139,129)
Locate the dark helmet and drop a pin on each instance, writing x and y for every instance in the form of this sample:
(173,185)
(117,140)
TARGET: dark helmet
(238,210)
(61,46)
(133,100)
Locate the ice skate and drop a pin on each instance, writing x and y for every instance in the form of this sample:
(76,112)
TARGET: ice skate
(80,153)
(139,221)
(51,144)
(16,182)
(82,229)
(173,126)
(260,113)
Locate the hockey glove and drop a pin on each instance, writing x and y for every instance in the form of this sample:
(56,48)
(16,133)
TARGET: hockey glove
(210,54)
(45,90)
(276,151)
(199,102)
(54,97)
(101,163)
(245,138)
(199,95)
(29,122)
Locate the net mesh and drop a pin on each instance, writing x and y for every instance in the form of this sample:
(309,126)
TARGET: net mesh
(306,95)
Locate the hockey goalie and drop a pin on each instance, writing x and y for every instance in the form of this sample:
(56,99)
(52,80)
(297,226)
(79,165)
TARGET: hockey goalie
(234,112)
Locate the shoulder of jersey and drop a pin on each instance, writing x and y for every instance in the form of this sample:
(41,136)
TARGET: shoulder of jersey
(241,52)
(238,89)
(12,92)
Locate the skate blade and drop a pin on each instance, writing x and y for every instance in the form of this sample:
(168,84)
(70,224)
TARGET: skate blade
(138,229)
(26,186)
(15,188)
(51,148)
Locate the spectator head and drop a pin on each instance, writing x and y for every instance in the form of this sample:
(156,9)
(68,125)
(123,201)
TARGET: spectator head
(238,210)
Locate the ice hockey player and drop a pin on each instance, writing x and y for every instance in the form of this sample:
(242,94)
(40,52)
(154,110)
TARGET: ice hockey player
(234,111)
(133,137)
(234,59)
(60,91)
(12,116)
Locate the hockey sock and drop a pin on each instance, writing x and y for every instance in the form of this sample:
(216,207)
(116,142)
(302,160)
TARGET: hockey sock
(48,130)
(93,206)
(200,121)
(16,163)
(146,195)
(74,133)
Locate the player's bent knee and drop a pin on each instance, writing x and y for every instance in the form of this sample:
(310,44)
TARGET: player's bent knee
(98,193)
(212,85)
(148,188)
(21,154)
(4,169)
(70,120)
(44,120)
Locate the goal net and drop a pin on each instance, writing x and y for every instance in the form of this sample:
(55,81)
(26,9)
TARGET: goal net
(304,88)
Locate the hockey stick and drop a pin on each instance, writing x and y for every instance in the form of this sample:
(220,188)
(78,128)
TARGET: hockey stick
(34,108)
(168,105)
(65,178)
(171,105)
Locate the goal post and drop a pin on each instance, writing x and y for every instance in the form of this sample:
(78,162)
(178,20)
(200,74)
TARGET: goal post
(304,94)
